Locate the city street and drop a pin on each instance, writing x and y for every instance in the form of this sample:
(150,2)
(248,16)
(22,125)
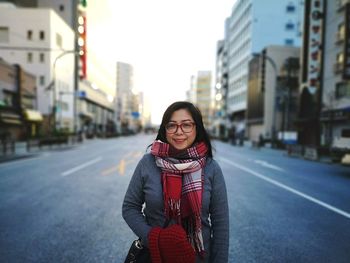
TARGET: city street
(66,205)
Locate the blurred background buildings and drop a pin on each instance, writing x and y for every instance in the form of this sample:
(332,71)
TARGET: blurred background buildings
(281,75)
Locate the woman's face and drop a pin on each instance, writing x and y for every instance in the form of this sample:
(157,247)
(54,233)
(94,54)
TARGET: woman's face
(181,130)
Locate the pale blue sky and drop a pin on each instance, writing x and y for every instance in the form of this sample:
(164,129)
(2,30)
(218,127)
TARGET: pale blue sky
(165,41)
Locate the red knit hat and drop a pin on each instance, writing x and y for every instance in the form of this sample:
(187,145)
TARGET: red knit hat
(170,245)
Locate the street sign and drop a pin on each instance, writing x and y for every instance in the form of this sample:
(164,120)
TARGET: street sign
(135,114)
(81,93)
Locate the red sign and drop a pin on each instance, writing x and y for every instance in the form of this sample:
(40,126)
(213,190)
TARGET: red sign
(82,45)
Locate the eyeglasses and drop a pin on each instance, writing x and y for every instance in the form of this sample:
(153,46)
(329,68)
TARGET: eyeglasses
(186,127)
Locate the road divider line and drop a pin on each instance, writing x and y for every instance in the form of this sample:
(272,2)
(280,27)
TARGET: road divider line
(268,165)
(73,170)
(310,198)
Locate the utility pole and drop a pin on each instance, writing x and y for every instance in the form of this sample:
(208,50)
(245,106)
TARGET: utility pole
(76,62)
(53,86)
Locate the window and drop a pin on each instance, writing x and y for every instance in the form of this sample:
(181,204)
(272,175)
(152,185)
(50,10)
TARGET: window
(290,26)
(290,8)
(42,57)
(42,80)
(289,42)
(30,57)
(41,35)
(340,58)
(8,98)
(30,35)
(342,89)
(341,32)
(59,40)
(4,34)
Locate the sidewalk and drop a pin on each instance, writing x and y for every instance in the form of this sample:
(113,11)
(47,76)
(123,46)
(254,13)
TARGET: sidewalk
(321,158)
(21,151)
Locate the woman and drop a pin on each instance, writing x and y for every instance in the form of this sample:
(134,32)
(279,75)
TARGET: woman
(180,181)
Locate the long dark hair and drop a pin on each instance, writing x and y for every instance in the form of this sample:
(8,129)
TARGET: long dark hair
(201,134)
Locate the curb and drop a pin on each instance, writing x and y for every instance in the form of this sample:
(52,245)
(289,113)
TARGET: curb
(10,158)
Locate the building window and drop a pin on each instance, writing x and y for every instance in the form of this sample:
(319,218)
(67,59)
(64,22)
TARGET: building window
(8,99)
(340,58)
(58,40)
(4,34)
(42,80)
(290,8)
(29,34)
(289,42)
(290,26)
(61,8)
(41,35)
(29,57)
(342,89)
(42,57)
(341,32)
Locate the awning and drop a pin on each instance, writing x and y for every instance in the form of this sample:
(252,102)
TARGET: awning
(85,114)
(33,115)
(10,118)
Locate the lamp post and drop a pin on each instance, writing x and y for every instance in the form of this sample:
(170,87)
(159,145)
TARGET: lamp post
(53,85)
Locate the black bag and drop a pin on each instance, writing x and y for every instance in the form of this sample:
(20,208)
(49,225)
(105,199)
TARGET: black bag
(138,253)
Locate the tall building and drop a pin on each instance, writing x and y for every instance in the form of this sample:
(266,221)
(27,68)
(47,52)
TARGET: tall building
(273,93)
(44,49)
(124,97)
(335,111)
(220,124)
(201,85)
(252,26)
(64,8)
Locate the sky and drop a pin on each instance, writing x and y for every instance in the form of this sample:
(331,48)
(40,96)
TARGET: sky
(165,42)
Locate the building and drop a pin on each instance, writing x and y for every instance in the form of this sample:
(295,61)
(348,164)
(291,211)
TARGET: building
(273,85)
(46,50)
(201,95)
(95,110)
(19,118)
(64,8)
(220,125)
(335,88)
(252,26)
(125,97)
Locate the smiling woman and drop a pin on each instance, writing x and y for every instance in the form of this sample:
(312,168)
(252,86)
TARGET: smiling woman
(180,182)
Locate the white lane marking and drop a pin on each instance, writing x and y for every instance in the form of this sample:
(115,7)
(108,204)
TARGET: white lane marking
(310,198)
(268,165)
(73,170)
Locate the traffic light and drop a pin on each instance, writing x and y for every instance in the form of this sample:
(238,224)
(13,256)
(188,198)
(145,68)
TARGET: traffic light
(83,3)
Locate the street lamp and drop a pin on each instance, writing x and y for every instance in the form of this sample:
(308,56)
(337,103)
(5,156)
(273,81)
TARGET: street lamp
(53,86)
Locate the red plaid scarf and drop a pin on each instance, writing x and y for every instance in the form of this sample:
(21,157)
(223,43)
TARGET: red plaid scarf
(182,179)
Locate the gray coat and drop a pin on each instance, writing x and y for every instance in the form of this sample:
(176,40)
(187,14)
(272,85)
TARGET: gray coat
(145,187)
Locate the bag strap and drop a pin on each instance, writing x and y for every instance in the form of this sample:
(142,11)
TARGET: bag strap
(166,223)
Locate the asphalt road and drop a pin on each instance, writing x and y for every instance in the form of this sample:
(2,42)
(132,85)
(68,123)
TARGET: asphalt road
(65,205)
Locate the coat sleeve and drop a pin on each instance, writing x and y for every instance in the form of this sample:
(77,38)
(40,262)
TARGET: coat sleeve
(219,216)
(133,203)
